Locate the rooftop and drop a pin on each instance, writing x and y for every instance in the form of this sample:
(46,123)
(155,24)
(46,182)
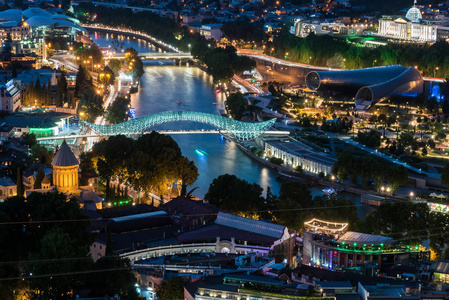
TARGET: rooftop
(64,157)
(251,225)
(364,238)
(43,120)
(301,150)
(442,266)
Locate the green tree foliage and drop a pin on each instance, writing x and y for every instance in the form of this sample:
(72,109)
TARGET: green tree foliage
(368,167)
(57,244)
(61,96)
(30,239)
(115,65)
(37,94)
(29,139)
(445,175)
(41,154)
(91,104)
(370,139)
(151,163)
(236,105)
(19,182)
(171,289)
(118,111)
(83,82)
(90,54)
(235,195)
(113,275)
(86,167)
(293,206)
(135,65)
(400,220)
(243,29)
(39,177)
(276,161)
(319,49)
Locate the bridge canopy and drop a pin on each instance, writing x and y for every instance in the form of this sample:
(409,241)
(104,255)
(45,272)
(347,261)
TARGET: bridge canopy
(243,131)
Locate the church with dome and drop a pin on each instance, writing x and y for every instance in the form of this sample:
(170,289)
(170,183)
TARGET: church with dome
(412,27)
(65,170)
(65,175)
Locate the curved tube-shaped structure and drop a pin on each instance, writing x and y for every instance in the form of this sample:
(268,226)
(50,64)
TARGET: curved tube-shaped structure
(239,130)
(351,78)
(408,81)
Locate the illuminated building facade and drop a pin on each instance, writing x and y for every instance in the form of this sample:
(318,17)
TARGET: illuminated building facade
(65,170)
(329,245)
(412,27)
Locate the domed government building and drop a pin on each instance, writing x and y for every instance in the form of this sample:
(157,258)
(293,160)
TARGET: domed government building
(413,27)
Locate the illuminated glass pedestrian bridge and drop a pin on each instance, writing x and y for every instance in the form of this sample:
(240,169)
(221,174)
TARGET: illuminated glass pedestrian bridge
(235,129)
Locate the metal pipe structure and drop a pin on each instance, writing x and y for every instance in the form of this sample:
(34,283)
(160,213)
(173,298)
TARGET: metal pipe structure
(371,84)
(408,81)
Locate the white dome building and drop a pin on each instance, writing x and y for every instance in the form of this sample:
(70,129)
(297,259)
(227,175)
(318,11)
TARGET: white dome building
(414,15)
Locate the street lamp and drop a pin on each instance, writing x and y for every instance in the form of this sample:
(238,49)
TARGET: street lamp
(435,72)
(411,195)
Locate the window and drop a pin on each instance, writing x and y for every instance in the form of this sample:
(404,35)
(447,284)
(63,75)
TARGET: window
(206,293)
(100,246)
(10,191)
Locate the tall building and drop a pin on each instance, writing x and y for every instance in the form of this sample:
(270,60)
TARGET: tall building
(65,170)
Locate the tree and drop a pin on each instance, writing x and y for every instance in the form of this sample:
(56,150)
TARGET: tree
(292,207)
(57,244)
(445,175)
(41,154)
(401,220)
(188,174)
(115,65)
(118,279)
(171,289)
(135,65)
(29,139)
(33,240)
(39,177)
(20,187)
(91,104)
(118,111)
(83,81)
(235,195)
(236,105)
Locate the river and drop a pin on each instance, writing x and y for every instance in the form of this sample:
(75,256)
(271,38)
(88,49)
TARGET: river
(162,86)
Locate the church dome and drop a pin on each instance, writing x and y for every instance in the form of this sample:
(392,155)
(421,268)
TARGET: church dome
(64,157)
(414,14)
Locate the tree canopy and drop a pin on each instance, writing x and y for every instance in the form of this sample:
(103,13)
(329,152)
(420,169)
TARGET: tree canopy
(236,105)
(153,162)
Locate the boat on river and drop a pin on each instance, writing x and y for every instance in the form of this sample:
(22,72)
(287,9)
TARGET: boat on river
(330,191)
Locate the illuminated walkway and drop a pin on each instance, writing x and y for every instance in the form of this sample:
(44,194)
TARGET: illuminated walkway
(242,131)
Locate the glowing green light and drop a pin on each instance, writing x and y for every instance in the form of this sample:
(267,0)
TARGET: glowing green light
(121,202)
(115,203)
